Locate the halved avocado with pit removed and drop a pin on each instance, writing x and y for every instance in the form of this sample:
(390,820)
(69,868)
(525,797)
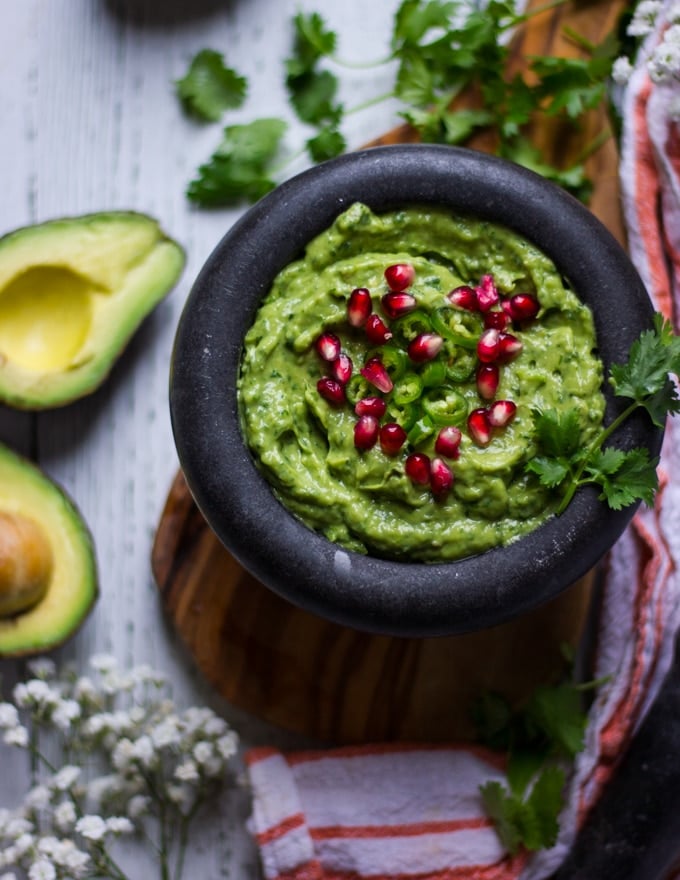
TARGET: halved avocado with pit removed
(72,293)
(48,570)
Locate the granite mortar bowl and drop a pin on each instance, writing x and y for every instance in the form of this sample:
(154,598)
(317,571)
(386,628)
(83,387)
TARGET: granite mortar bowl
(364,592)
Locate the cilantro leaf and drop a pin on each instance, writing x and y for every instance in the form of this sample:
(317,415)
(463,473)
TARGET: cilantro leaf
(645,377)
(313,41)
(571,84)
(414,19)
(556,715)
(312,95)
(414,83)
(210,87)
(326,144)
(238,169)
(506,812)
(551,472)
(558,434)
(625,477)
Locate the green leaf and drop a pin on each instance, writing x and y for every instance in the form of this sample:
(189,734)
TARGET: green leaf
(551,472)
(492,717)
(460,124)
(313,40)
(414,83)
(645,377)
(210,87)
(543,806)
(507,813)
(625,477)
(558,434)
(524,763)
(327,144)
(312,96)
(238,169)
(414,19)
(556,713)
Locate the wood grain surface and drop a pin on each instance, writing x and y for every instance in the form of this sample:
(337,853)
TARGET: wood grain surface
(314,677)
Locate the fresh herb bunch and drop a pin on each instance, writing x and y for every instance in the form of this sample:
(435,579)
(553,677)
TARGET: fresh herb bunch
(540,740)
(624,476)
(131,762)
(443,52)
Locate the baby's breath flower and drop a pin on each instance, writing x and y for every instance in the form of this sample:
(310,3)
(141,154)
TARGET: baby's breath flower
(16,736)
(42,869)
(664,63)
(642,22)
(227,745)
(119,825)
(138,806)
(9,717)
(92,827)
(42,667)
(65,713)
(166,733)
(16,826)
(65,778)
(84,690)
(203,752)
(23,844)
(144,751)
(177,794)
(38,797)
(103,662)
(67,855)
(123,754)
(187,772)
(8,876)
(65,816)
(622,70)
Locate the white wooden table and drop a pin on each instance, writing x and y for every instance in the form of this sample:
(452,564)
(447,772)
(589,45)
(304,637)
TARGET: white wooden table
(89,121)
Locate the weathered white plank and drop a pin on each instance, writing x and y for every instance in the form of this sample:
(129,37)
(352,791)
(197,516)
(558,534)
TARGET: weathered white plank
(90,122)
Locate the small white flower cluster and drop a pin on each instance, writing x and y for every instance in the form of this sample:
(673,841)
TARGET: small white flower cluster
(151,762)
(663,62)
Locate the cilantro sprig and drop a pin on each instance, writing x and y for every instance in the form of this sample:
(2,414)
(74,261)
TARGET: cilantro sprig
(539,739)
(623,476)
(443,52)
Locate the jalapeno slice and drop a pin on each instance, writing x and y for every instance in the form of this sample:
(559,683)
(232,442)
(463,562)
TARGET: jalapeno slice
(433,373)
(357,388)
(395,360)
(445,406)
(407,389)
(421,429)
(405,414)
(407,327)
(442,324)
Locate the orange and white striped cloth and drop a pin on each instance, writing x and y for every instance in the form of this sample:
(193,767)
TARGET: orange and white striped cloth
(413,812)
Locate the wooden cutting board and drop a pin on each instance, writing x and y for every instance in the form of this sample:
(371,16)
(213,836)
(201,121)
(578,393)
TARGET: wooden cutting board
(311,676)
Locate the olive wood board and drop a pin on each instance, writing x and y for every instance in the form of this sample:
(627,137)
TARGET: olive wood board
(306,674)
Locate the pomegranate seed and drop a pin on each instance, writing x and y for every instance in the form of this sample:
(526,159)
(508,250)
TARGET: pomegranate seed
(342,368)
(366,432)
(487,295)
(488,347)
(359,306)
(464,297)
(523,307)
(501,413)
(507,308)
(377,331)
(370,406)
(448,442)
(509,347)
(425,347)
(479,426)
(441,478)
(331,390)
(392,438)
(498,319)
(488,377)
(396,304)
(328,346)
(375,373)
(400,276)
(417,468)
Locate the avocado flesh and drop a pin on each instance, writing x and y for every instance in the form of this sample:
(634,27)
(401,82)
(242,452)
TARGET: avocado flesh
(72,586)
(72,293)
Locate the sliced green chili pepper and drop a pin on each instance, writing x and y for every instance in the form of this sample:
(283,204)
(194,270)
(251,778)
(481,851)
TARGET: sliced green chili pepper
(460,363)
(408,388)
(421,429)
(395,360)
(445,406)
(404,414)
(407,327)
(357,388)
(433,373)
(441,323)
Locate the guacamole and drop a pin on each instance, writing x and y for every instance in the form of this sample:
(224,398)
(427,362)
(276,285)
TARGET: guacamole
(403,492)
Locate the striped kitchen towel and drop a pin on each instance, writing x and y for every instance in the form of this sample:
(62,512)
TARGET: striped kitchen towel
(413,812)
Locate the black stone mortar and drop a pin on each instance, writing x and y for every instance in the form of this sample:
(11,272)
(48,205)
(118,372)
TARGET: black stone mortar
(397,598)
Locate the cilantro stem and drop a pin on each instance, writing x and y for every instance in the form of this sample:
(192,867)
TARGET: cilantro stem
(360,65)
(594,446)
(370,102)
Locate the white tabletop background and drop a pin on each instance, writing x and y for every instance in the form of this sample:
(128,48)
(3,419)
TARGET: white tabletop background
(88,122)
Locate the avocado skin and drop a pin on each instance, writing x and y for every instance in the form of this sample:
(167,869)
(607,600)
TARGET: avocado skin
(74,587)
(125,263)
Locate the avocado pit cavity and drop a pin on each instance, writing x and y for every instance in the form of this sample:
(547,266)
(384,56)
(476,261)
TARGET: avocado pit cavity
(45,317)
(26,563)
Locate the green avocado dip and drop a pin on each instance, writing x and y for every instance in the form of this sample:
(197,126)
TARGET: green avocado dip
(362,484)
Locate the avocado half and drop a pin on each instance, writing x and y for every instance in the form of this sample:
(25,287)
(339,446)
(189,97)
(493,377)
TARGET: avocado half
(72,293)
(48,571)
